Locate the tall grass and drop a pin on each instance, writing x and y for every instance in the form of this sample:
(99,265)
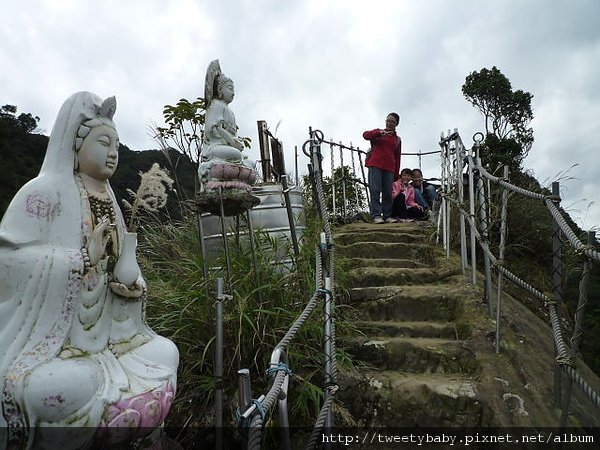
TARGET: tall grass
(264,304)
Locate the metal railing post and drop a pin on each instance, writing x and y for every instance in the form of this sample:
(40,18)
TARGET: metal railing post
(219,365)
(460,154)
(501,258)
(485,238)
(578,328)
(448,172)
(333,190)
(296,164)
(472,221)
(244,397)
(440,222)
(583,297)
(344,199)
(356,197)
(364,178)
(225,243)
(443,207)
(290,215)
(328,313)
(278,356)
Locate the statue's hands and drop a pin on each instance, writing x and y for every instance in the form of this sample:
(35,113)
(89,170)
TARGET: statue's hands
(237,144)
(100,237)
(133,292)
(229,137)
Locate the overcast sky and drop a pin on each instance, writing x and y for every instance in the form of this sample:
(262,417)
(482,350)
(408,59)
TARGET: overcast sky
(338,66)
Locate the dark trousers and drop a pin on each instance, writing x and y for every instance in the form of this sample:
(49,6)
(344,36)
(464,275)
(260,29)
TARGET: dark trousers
(400,210)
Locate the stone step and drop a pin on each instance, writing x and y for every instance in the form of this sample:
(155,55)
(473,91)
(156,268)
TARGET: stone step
(408,227)
(446,330)
(385,262)
(377,235)
(411,303)
(397,276)
(427,399)
(414,355)
(391,250)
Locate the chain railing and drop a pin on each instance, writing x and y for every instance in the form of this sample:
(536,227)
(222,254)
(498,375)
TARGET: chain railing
(454,156)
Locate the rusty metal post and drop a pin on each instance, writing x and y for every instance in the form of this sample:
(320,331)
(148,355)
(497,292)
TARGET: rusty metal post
(265,155)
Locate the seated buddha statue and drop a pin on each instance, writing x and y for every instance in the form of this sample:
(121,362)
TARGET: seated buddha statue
(76,353)
(223,163)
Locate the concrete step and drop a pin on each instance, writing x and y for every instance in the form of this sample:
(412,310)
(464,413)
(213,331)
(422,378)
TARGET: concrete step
(385,262)
(427,399)
(377,235)
(390,250)
(408,227)
(397,276)
(445,330)
(411,303)
(414,355)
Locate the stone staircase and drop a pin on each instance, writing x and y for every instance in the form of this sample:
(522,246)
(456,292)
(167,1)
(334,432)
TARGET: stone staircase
(412,336)
(424,344)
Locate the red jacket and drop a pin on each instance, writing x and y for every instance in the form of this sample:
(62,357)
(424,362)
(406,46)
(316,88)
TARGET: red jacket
(385,151)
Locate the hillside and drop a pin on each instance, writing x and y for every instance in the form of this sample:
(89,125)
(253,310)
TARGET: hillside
(22,154)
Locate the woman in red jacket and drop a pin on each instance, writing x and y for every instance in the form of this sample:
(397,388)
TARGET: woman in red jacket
(383,162)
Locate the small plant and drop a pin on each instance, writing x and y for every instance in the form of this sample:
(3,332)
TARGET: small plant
(151,195)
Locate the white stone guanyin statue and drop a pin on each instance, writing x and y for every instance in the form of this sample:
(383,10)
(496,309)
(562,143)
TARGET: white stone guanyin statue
(222,165)
(75,350)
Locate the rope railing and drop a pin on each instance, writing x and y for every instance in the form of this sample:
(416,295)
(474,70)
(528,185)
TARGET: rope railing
(257,411)
(499,266)
(566,357)
(580,247)
(554,211)
(453,154)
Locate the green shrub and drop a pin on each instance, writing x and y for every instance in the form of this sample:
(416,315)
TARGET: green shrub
(264,304)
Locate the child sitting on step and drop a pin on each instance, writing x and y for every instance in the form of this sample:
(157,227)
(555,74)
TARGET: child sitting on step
(404,206)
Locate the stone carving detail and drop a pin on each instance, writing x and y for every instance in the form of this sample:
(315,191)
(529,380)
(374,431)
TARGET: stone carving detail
(75,350)
(223,166)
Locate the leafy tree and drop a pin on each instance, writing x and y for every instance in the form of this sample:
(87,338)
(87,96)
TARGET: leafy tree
(184,127)
(21,124)
(21,152)
(182,136)
(507,115)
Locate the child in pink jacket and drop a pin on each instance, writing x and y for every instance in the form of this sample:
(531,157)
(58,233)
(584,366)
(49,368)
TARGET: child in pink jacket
(403,195)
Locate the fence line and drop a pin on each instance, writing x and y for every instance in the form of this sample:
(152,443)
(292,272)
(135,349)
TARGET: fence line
(253,413)
(455,159)
(342,182)
(566,358)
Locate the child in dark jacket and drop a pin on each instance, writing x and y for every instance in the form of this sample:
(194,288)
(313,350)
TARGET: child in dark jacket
(404,205)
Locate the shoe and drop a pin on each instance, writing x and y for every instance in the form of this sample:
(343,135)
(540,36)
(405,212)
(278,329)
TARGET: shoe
(378,219)
(391,220)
